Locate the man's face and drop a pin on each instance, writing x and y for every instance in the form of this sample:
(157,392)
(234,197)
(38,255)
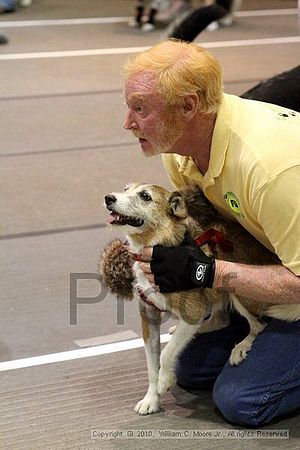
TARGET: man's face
(156,125)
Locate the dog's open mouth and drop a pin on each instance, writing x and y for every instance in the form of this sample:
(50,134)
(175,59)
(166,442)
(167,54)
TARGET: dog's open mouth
(119,219)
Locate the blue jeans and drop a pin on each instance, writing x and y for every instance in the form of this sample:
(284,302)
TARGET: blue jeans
(8,4)
(262,387)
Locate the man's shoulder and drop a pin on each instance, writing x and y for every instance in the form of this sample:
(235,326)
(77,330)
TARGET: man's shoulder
(277,112)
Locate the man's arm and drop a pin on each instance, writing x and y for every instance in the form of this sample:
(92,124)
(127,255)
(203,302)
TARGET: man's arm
(274,284)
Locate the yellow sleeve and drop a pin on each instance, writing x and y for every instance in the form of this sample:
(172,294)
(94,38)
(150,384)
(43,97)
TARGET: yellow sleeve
(277,206)
(171,167)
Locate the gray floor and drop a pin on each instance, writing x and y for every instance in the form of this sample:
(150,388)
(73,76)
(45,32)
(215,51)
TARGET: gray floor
(62,148)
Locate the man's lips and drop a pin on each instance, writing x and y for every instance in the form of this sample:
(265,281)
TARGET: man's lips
(143,141)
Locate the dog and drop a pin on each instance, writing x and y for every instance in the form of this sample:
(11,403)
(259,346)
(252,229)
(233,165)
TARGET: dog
(150,215)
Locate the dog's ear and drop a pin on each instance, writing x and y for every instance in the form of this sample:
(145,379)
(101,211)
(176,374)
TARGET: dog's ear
(176,205)
(199,207)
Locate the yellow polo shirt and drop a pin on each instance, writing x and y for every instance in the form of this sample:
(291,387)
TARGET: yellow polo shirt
(254,173)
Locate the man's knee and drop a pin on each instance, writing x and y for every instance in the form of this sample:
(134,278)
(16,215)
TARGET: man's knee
(203,359)
(240,406)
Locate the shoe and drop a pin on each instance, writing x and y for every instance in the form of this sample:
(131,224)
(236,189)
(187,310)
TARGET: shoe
(3,39)
(133,23)
(147,27)
(213,26)
(227,21)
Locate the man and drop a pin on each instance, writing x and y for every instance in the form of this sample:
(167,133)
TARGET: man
(245,156)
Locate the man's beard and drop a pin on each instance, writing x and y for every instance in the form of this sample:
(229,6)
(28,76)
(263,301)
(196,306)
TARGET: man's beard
(168,133)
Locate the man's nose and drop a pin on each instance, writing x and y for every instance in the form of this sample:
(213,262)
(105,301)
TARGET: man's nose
(129,123)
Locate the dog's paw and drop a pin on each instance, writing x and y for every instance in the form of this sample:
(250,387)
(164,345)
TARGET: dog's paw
(149,405)
(239,353)
(166,379)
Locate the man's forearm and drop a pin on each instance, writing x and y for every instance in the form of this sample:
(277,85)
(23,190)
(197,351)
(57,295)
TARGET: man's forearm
(273,284)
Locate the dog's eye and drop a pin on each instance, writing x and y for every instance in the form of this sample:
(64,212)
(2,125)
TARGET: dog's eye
(145,196)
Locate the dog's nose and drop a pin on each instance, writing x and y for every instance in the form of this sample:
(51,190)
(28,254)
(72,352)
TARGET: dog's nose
(110,199)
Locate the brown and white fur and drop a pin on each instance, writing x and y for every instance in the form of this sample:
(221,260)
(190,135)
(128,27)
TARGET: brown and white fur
(151,215)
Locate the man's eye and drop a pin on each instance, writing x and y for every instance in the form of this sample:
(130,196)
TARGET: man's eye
(145,196)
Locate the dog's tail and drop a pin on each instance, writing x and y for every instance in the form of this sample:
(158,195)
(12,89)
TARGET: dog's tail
(196,21)
(286,312)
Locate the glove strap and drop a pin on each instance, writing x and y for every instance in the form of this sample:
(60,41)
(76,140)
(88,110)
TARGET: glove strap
(202,274)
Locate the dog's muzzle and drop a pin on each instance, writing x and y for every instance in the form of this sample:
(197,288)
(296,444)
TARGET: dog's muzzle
(116,218)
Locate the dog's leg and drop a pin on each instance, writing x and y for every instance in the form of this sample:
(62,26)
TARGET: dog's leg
(219,318)
(182,336)
(239,353)
(151,333)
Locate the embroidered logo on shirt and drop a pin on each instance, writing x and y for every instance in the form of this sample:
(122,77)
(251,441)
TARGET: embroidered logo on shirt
(285,115)
(233,203)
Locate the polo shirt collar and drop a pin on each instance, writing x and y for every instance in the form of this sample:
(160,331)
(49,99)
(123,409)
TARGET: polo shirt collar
(220,142)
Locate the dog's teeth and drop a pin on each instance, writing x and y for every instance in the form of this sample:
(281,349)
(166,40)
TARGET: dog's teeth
(120,219)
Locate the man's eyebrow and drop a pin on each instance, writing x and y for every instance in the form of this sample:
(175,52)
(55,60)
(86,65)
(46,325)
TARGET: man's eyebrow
(139,96)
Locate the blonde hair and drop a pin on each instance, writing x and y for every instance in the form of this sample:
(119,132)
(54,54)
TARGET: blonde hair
(180,69)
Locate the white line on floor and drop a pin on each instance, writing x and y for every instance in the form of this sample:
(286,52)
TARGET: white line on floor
(112,20)
(106,339)
(76,354)
(266,12)
(129,50)
(60,22)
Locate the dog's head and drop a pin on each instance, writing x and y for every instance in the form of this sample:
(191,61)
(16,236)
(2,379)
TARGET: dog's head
(141,208)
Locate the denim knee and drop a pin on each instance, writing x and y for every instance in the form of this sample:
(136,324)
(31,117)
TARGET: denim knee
(236,405)
(203,359)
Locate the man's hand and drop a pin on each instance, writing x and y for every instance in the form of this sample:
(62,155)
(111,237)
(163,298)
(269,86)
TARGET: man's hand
(178,268)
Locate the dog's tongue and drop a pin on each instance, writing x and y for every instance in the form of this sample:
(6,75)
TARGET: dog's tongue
(112,217)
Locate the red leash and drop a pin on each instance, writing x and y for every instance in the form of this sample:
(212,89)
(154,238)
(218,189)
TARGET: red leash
(214,237)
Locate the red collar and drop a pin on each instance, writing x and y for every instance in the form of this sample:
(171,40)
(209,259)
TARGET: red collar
(214,237)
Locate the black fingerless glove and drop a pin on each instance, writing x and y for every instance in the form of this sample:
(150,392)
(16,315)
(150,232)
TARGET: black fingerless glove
(182,268)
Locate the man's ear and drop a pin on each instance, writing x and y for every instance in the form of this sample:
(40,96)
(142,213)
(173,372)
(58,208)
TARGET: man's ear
(190,105)
(176,205)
